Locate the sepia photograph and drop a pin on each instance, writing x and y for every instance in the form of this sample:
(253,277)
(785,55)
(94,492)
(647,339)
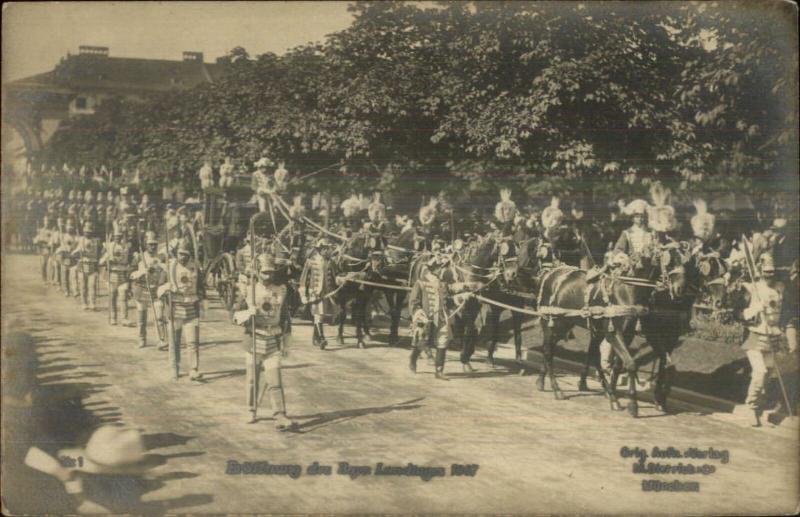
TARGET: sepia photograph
(398,257)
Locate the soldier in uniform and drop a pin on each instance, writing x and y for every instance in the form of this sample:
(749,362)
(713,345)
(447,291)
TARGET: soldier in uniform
(118,258)
(504,213)
(428,305)
(88,251)
(262,184)
(206,175)
(148,277)
(637,242)
(764,319)
(226,173)
(317,280)
(350,211)
(661,216)
(267,315)
(42,242)
(67,242)
(184,298)
(54,264)
(427,230)
(377,226)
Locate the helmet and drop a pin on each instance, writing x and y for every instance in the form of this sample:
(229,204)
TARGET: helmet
(636,207)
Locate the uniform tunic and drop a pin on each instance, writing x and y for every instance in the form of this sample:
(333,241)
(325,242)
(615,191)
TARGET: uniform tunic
(271,316)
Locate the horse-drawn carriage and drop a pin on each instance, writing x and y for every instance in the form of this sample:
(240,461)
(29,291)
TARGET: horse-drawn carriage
(224,226)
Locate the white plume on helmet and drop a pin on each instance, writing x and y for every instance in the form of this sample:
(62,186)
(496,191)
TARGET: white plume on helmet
(351,206)
(703,222)
(661,217)
(505,209)
(552,215)
(428,212)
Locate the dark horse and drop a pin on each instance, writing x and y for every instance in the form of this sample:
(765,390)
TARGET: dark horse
(352,259)
(662,304)
(476,264)
(519,266)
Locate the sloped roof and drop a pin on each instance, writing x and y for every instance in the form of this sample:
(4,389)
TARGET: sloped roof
(82,72)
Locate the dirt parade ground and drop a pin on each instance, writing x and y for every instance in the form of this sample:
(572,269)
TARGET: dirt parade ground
(487,442)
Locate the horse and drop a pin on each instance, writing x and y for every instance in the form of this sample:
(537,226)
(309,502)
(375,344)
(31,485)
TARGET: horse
(475,264)
(352,257)
(519,266)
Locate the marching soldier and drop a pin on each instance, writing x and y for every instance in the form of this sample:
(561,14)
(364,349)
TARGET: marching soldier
(88,249)
(54,264)
(265,319)
(147,278)
(429,304)
(66,244)
(184,307)
(316,281)
(118,258)
(42,242)
(764,319)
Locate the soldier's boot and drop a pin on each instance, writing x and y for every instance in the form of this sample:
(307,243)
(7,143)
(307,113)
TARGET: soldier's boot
(315,336)
(321,334)
(195,374)
(112,310)
(142,324)
(174,348)
(412,361)
(162,333)
(249,379)
(441,354)
(126,322)
(275,388)
(93,295)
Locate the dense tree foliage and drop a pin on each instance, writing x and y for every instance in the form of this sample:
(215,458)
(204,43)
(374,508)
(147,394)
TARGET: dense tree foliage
(552,97)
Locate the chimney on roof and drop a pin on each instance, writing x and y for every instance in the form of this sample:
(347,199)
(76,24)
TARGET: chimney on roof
(192,56)
(93,51)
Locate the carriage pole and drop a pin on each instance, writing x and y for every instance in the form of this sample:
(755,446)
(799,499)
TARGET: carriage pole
(108,269)
(254,405)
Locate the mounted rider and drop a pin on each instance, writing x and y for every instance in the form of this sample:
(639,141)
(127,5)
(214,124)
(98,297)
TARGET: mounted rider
(376,228)
(505,212)
(427,230)
(560,243)
(351,209)
(661,216)
(262,184)
(637,242)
